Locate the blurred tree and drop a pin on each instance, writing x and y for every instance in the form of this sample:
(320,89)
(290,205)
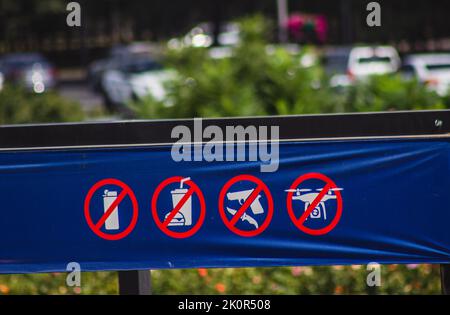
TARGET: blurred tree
(18,106)
(258,79)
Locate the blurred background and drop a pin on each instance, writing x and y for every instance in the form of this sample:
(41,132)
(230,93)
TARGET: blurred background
(198,58)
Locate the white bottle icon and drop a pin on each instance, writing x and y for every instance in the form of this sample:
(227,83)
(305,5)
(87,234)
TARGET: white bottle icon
(112,222)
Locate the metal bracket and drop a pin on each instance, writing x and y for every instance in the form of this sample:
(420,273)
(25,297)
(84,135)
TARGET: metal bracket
(135,282)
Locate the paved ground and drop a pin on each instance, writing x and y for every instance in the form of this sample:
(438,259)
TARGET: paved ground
(81,92)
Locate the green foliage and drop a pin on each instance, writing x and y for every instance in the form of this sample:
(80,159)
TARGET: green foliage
(255,80)
(262,79)
(55,283)
(18,106)
(389,92)
(395,279)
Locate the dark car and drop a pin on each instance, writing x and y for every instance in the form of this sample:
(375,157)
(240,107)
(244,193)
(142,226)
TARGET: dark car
(30,70)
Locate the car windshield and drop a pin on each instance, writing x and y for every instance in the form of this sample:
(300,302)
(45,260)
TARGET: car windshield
(439,67)
(23,61)
(142,66)
(374,59)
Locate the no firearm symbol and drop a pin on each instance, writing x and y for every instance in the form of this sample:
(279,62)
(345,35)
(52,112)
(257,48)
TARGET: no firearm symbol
(248,199)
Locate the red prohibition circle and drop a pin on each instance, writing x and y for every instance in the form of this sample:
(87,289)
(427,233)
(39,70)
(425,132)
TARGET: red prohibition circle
(299,222)
(161,225)
(224,217)
(128,193)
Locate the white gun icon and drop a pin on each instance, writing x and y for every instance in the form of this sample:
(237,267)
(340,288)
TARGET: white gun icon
(255,206)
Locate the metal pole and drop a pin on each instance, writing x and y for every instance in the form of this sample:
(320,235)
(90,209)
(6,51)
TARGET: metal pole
(135,282)
(346,21)
(84,49)
(282,7)
(445,279)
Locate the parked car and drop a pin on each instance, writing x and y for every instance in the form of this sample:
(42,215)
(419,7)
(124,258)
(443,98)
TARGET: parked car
(433,70)
(118,56)
(202,35)
(345,65)
(134,80)
(30,70)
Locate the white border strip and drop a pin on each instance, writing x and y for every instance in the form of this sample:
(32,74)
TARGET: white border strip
(113,146)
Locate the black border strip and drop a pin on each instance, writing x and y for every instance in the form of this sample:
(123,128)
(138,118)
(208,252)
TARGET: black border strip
(151,132)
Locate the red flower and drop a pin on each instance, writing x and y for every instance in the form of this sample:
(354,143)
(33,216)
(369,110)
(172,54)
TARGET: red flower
(339,289)
(4,289)
(220,287)
(202,272)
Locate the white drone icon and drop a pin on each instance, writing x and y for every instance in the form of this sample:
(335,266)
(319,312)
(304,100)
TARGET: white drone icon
(310,197)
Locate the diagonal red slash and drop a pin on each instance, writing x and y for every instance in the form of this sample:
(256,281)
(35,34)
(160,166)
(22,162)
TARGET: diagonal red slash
(314,204)
(111,208)
(178,206)
(246,204)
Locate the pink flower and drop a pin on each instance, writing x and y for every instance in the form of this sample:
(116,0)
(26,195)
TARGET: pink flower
(256,279)
(412,266)
(321,28)
(296,271)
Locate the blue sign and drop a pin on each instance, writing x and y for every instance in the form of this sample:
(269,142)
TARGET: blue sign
(329,202)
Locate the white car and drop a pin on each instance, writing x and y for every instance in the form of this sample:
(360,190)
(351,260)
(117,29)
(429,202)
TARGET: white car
(134,80)
(119,55)
(202,36)
(346,65)
(433,70)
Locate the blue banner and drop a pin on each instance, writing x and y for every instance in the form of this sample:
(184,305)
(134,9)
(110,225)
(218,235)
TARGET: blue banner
(329,202)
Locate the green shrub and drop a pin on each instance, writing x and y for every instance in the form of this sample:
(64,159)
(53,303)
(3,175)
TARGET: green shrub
(253,81)
(389,92)
(18,106)
(395,279)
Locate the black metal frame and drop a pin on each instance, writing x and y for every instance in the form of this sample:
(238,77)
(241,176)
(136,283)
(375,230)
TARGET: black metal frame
(136,133)
(123,133)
